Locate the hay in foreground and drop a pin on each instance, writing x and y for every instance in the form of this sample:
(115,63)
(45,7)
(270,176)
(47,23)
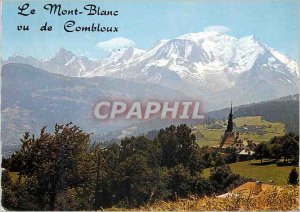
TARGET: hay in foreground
(286,199)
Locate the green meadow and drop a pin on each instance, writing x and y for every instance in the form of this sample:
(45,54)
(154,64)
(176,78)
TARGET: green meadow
(264,173)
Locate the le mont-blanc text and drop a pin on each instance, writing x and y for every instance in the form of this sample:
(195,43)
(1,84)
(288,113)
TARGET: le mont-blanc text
(89,10)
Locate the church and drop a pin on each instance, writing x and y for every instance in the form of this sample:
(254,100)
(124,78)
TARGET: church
(231,139)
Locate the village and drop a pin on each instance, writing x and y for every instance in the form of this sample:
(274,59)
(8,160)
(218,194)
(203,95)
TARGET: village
(245,150)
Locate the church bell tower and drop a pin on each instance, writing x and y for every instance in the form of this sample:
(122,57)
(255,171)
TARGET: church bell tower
(229,135)
(230,121)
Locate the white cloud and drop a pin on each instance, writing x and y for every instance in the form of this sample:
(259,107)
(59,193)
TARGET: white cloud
(115,43)
(216,28)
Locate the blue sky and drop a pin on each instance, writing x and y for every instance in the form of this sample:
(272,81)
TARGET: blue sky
(142,24)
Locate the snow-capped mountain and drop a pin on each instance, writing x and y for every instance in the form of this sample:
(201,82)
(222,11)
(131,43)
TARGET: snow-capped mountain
(208,59)
(67,63)
(117,60)
(63,62)
(202,64)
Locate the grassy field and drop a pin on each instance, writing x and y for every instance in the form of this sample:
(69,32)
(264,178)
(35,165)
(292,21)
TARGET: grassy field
(211,137)
(263,173)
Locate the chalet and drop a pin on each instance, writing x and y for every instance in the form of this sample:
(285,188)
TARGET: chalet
(245,154)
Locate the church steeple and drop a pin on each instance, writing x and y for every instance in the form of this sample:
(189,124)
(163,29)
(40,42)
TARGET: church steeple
(230,121)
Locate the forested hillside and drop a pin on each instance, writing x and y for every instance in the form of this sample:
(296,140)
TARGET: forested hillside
(284,110)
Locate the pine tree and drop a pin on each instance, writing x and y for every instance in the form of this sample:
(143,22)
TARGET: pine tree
(293,177)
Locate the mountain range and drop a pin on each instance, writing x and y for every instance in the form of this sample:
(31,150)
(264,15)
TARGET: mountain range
(211,66)
(202,65)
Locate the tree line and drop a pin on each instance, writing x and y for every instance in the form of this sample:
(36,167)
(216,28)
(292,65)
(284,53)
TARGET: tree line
(286,147)
(63,170)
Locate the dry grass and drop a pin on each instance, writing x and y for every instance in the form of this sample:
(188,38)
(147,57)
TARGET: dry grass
(286,199)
